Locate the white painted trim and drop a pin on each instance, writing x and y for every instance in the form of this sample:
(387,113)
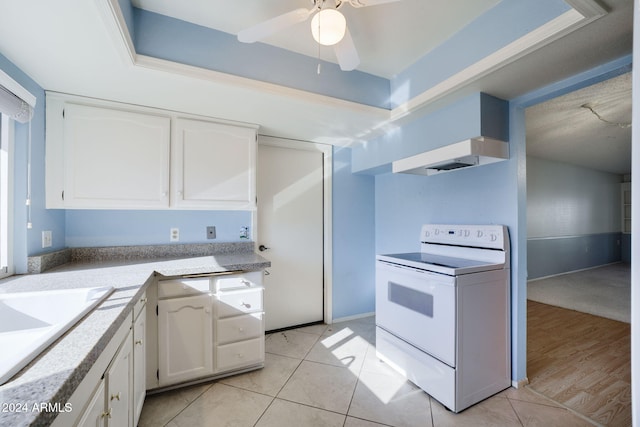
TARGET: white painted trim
(588,8)
(520,383)
(354,317)
(247,83)
(564,273)
(583,12)
(541,36)
(117,29)
(17,89)
(327,151)
(7,144)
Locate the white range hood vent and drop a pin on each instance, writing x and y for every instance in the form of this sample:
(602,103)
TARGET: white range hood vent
(468,153)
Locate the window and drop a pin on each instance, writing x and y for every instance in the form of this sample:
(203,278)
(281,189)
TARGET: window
(6,196)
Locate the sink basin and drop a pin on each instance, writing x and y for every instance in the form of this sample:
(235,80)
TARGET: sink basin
(31,321)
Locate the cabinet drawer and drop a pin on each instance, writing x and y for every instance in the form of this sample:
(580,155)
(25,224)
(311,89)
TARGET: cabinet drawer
(240,328)
(183,287)
(247,280)
(239,302)
(240,354)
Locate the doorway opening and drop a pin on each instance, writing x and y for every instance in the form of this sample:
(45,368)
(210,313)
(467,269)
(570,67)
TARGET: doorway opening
(578,250)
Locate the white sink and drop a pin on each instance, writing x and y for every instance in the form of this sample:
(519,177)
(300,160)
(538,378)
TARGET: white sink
(31,321)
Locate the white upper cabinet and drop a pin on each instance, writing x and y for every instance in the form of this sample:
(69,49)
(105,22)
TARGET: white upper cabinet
(115,159)
(213,165)
(106,155)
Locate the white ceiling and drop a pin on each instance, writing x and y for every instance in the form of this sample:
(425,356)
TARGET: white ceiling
(68,46)
(565,130)
(389,37)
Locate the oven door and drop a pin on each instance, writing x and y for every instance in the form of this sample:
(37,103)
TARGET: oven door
(419,307)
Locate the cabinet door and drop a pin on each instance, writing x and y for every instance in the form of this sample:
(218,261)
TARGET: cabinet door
(185,339)
(95,415)
(115,159)
(139,365)
(213,165)
(119,390)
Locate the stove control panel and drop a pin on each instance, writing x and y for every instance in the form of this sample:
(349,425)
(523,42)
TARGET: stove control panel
(481,236)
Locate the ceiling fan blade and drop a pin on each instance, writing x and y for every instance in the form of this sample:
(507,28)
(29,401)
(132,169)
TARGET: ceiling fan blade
(274,25)
(364,3)
(347,53)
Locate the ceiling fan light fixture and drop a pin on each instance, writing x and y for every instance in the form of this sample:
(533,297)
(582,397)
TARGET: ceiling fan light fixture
(328,27)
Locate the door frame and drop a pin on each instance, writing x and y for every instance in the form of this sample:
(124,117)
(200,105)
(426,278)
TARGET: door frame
(327,265)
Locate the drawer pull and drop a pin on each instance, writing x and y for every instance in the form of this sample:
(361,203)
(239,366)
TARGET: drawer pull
(143,300)
(240,356)
(115,396)
(107,414)
(245,304)
(240,329)
(246,283)
(139,342)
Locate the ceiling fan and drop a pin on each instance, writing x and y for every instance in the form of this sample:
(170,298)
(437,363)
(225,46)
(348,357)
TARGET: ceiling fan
(328,27)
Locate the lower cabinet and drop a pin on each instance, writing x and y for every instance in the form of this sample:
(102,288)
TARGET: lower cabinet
(184,339)
(94,415)
(208,327)
(119,382)
(139,364)
(116,383)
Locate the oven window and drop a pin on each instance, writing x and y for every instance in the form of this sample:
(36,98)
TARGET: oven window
(410,298)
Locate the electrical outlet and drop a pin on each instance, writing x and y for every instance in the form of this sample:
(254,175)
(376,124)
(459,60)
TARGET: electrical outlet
(211,232)
(47,240)
(175,235)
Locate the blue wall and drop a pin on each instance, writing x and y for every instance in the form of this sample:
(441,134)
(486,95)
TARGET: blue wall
(27,242)
(122,227)
(478,114)
(163,37)
(499,26)
(573,217)
(353,239)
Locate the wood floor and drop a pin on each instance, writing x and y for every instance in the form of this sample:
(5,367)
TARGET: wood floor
(581,361)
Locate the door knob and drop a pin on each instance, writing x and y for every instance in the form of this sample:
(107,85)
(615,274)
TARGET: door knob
(262,248)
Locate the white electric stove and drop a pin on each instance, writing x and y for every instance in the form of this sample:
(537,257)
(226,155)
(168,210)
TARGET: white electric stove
(442,314)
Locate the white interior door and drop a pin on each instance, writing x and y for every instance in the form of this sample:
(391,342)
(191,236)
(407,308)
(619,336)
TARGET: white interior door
(290,225)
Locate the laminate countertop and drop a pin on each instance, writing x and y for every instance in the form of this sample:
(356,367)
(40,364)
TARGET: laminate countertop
(52,377)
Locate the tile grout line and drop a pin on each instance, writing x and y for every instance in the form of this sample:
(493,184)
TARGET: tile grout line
(190,403)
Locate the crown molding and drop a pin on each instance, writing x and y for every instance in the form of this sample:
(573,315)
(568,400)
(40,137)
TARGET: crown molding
(582,13)
(541,36)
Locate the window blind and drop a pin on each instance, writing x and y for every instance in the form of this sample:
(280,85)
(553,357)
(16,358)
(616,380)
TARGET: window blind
(15,101)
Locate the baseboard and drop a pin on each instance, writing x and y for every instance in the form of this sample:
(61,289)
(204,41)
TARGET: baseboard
(354,317)
(520,383)
(573,271)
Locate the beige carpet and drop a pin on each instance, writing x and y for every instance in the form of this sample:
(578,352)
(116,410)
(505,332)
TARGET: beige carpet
(603,291)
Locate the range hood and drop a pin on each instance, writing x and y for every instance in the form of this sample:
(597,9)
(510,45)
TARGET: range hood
(468,153)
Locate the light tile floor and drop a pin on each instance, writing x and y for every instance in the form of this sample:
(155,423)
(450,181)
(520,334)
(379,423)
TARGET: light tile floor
(330,376)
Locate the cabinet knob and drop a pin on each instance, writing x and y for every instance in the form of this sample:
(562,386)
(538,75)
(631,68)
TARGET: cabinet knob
(240,356)
(240,329)
(246,283)
(114,396)
(245,304)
